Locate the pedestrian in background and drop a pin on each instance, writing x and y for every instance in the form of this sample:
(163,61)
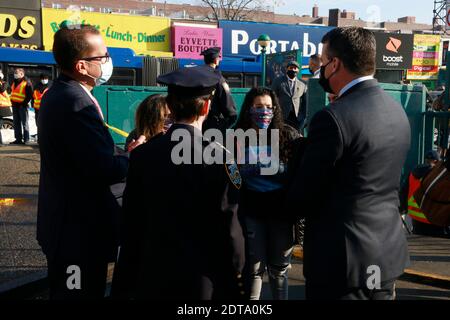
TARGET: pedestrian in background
(314,65)
(269,231)
(291,93)
(152,119)
(5,103)
(348,181)
(78,216)
(39,90)
(21,95)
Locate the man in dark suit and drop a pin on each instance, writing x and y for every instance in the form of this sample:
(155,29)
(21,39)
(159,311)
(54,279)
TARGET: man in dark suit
(181,236)
(348,182)
(77,223)
(223,110)
(291,93)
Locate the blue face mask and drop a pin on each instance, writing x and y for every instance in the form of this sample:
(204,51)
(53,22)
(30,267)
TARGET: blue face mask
(262,117)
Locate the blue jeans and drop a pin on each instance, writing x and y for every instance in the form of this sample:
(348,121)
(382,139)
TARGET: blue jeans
(270,243)
(20,121)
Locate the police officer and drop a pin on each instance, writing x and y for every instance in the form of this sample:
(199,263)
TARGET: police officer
(223,110)
(181,238)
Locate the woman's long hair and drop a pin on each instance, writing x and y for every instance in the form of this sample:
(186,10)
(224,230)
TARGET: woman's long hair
(245,121)
(150,116)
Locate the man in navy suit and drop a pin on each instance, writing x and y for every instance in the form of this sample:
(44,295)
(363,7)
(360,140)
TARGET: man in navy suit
(348,181)
(77,224)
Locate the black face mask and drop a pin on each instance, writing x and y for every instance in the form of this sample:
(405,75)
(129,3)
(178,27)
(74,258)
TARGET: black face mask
(292,74)
(324,82)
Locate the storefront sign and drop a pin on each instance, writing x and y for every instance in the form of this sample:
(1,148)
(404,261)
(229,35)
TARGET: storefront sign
(189,42)
(394,51)
(20,24)
(425,64)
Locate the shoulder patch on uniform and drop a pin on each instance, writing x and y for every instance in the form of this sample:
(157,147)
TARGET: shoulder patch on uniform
(226,87)
(234,175)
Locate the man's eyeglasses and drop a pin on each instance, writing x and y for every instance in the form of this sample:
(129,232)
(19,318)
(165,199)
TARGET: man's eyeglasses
(102,59)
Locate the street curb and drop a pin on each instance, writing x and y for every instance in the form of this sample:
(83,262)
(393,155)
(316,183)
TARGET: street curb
(432,279)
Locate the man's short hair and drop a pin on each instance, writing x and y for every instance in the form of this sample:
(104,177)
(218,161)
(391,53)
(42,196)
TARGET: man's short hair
(315,58)
(355,47)
(70,44)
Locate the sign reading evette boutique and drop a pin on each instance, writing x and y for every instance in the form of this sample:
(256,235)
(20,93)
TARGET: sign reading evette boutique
(189,42)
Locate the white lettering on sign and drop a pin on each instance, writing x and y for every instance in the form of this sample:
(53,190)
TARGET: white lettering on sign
(241,38)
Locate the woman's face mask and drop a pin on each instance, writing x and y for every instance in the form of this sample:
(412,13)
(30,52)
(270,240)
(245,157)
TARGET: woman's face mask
(262,117)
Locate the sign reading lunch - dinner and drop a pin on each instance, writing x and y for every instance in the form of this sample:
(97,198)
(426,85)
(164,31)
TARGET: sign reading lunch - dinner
(241,38)
(189,42)
(140,33)
(20,24)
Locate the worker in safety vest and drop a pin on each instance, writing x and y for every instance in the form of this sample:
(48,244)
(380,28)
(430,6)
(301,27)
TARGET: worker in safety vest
(5,102)
(38,93)
(420,223)
(21,95)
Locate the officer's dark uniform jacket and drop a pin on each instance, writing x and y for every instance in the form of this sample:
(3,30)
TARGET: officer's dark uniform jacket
(347,187)
(77,213)
(182,239)
(223,109)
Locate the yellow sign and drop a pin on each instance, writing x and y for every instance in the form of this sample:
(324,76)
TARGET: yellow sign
(425,64)
(145,35)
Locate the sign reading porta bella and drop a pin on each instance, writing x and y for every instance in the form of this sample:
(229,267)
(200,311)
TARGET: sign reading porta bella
(20,24)
(189,42)
(145,35)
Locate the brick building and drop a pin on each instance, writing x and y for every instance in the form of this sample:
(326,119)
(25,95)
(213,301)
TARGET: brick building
(185,12)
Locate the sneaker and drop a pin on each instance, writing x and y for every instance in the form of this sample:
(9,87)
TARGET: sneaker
(17,142)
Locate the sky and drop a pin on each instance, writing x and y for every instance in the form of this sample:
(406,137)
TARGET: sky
(369,10)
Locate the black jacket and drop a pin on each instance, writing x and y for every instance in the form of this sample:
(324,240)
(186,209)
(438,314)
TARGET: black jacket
(180,227)
(347,188)
(77,213)
(223,112)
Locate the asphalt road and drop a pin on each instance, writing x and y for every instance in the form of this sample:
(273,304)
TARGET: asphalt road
(22,261)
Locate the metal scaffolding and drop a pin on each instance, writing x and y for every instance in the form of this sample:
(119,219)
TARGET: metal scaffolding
(440,17)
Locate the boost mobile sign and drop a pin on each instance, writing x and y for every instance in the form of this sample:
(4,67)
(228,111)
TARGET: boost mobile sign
(240,38)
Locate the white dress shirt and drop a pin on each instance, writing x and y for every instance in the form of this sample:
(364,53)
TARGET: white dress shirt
(354,83)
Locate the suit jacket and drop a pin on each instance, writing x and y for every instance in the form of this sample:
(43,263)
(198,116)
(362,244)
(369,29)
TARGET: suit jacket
(176,214)
(77,213)
(347,188)
(292,102)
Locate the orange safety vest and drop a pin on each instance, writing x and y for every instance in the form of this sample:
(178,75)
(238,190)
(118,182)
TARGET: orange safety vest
(413,208)
(37,96)
(4,100)
(18,93)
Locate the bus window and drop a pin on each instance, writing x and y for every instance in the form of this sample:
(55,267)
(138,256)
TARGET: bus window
(123,77)
(252,80)
(234,80)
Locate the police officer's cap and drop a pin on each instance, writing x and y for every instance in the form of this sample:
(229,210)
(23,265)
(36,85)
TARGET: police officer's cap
(213,52)
(190,82)
(293,64)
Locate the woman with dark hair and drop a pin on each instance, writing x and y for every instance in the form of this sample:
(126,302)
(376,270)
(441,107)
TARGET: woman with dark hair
(152,119)
(270,237)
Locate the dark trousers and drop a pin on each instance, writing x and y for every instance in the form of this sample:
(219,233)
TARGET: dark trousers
(20,120)
(293,121)
(36,116)
(92,278)
(330,292)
